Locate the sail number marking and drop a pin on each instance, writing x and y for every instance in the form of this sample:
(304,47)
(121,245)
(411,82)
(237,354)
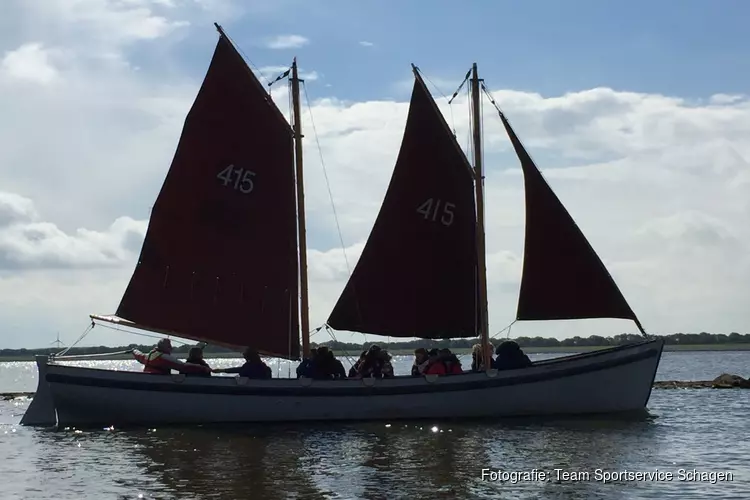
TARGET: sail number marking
(238,178)
(433,208)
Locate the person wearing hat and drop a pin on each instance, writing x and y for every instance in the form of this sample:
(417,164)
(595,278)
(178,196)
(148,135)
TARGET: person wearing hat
(160,361)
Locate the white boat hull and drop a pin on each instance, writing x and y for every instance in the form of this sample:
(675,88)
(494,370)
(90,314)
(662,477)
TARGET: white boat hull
(608,381)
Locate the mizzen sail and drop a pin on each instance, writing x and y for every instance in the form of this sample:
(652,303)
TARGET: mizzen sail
(563,277)
(219,260)
(416,276)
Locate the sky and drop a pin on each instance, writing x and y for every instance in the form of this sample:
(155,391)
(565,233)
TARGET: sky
(637,113)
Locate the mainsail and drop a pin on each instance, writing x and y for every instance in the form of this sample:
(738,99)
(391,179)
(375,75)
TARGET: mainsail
(219,261)
(417,275)
(563,277)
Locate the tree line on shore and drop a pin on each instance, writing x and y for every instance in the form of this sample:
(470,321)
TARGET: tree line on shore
(702,338)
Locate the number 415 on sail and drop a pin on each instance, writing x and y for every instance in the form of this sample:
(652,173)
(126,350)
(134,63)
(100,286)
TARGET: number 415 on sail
(431,208)
(240,179)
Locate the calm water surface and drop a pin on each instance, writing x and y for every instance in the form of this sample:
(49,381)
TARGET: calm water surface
(688,429)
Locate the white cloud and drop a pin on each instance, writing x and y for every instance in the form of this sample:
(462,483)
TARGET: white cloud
(30,62)
(27,241)
(287,42)
(365,43)
(657,183)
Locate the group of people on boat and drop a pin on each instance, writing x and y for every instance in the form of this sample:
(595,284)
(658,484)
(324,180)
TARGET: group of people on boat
(509,356)
(375,362)
(161,361)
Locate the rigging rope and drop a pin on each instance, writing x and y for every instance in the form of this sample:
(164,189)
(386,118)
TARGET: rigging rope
(468,129)
(85,332)
(466,79)
(257,70)
(325,174)
(330,192)
(142,334)
(504,329)
(93,355)
(450,107)
(346,353)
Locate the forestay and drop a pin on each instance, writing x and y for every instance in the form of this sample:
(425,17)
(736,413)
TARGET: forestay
(219,261)
(416,276)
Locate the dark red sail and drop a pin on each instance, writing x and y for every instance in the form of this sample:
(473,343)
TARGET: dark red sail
(563,278)
(219,261)
(416,276)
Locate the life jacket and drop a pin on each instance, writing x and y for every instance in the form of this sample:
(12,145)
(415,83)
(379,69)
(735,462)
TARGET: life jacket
(436,368)
(455,369)
(154,363)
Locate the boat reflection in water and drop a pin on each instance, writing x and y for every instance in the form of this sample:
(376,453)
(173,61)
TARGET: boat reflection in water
(375,461)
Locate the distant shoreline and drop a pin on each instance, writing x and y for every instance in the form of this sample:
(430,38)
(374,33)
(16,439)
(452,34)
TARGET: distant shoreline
(460,351)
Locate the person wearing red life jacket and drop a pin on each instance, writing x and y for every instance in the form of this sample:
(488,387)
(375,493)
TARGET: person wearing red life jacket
(160,361)
(451,362)
(435,365)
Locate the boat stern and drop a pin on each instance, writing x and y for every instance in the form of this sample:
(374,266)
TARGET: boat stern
(41,411)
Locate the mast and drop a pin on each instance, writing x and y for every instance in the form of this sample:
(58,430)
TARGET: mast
(304,313)
(479,186)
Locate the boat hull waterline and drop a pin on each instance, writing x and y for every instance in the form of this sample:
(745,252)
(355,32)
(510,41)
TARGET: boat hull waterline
(615,380)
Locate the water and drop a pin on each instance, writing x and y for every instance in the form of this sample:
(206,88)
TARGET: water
(690,429)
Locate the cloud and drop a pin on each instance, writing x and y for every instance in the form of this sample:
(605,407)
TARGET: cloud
(287,42)
(30,63)
(92,113)
(26,241)
(365,43)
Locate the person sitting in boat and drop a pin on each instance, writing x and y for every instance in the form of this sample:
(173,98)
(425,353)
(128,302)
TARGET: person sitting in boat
(477,358)
(510,356)
(355,367)
(160,361)
(435,365)
(195,357)
(377,364)
(322,366)
(451,362)
(254,367)
(420,362)
(305,367)
(332,367)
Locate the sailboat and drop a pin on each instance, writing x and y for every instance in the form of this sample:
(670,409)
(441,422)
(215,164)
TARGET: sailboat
(224,262)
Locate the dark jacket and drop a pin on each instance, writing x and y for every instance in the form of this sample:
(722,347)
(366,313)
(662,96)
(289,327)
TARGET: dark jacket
(201,362)
(251,370)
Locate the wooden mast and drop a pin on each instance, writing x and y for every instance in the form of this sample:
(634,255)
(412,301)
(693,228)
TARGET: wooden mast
(479,186)
(304,313)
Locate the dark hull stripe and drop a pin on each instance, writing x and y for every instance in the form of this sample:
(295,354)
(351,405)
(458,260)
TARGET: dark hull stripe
(318,388)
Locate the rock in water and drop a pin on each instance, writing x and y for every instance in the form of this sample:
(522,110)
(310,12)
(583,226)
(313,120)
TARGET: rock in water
(723,381)
(726,380)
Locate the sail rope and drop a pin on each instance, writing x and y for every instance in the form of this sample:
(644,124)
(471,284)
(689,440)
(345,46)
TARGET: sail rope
(93,355)
(325,175)
(466,79)
(330,194)
(85,332)
(450,107)
(142,334)
(468,147)
(257,70)
(346,353)
(507,328)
